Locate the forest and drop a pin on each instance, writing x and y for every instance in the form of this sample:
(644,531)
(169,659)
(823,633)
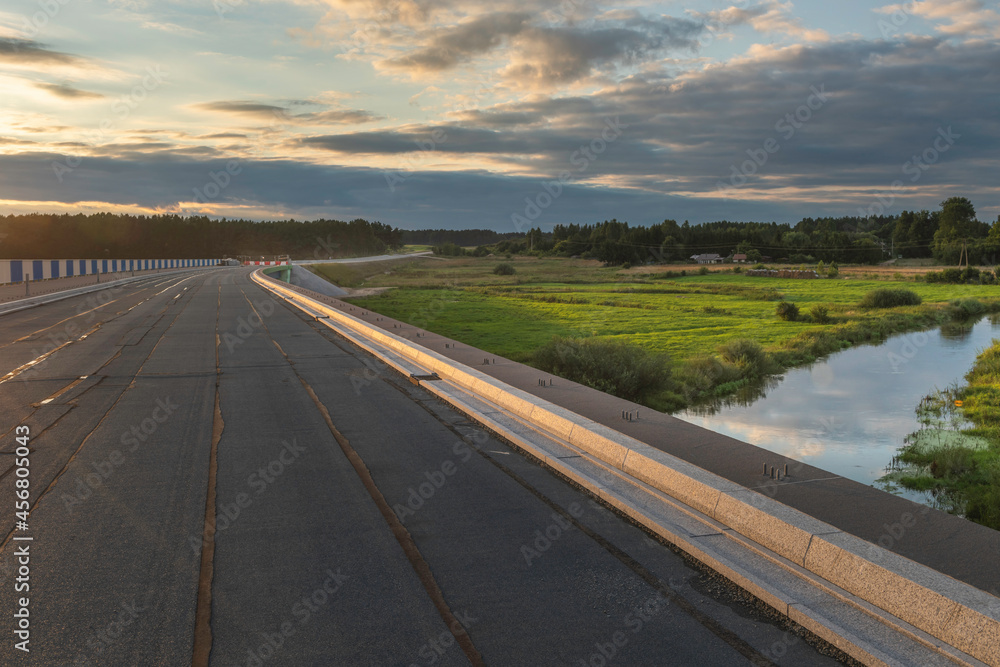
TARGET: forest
(106,235)
(951,235)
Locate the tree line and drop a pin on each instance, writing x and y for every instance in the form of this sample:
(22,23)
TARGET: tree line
(107,235)
(950,234)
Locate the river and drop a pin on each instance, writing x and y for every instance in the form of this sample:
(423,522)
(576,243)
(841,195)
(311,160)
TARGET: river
(850,412)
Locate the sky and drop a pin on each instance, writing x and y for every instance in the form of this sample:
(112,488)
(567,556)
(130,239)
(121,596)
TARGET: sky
(499,114)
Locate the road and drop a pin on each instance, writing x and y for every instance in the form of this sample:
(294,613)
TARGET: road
(217,479)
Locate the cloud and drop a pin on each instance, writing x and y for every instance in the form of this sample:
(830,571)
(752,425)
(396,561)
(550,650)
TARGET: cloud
(451,47)
(172,28)
(536,56)
(30,52)
(956,18)
(281,188)
(547,57)
(239,108)
(771,17)
(882,104)
(283,115)
(68,92)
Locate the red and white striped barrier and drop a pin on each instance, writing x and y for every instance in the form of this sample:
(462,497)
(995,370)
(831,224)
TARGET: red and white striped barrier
(276,263)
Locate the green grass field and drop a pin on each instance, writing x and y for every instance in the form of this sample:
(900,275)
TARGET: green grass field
(686,317)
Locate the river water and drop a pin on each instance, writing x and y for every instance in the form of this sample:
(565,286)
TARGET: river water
(850,413)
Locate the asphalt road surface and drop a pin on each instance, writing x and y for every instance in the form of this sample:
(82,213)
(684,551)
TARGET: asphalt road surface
(214,478)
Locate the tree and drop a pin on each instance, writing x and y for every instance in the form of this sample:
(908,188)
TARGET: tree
(921,234)
(958,225)
(901,234)
(958,222)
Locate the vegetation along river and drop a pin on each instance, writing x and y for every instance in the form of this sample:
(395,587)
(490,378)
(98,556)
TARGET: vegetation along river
(851,412)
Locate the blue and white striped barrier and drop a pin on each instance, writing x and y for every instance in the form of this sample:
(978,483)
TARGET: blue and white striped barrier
(18,270)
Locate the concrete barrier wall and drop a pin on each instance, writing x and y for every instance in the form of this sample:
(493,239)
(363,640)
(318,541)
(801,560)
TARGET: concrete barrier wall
(953,611)
(18,270)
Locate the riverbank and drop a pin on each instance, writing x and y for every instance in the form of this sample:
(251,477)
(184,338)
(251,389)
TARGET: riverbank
(956,453)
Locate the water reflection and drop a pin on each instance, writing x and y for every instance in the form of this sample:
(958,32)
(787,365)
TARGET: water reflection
(958,330)
(747,395)
(850,412)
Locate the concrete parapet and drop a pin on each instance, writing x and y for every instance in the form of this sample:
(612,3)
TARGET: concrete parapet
(956,613)
(687,483)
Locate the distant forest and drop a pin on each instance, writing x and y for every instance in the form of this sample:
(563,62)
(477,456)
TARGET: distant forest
(105,235)
(948,234)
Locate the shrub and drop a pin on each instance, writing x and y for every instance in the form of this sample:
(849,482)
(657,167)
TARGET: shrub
(449,250)
(747,355)
(616,367)
(702,375)
(963,309)
(969,274)
(820,313)
(758,266)
(703,271)
(821,267)
(504,269)
(737,269)
(890,297)
(788,311)
(627,265)
(834,270)
(951,276)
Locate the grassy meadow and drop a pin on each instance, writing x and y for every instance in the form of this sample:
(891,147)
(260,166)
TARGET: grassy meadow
(687,320)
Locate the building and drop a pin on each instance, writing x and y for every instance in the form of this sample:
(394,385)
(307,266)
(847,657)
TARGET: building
(740,258)
(707,259)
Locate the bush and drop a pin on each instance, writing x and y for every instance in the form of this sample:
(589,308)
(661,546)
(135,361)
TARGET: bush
(737,269)
(449,250)
(820,313)
(627,265)
(834,270)
(702,375)
(747,355)
(788,311)
(703,271)
(970,275)
(504,269)
(963,309)
(890,297)
(616,367)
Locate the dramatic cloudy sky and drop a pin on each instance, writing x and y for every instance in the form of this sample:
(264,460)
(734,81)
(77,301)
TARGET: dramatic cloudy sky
(468,113)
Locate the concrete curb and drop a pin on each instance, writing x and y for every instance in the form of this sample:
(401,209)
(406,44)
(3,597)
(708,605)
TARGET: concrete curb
(959,614)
